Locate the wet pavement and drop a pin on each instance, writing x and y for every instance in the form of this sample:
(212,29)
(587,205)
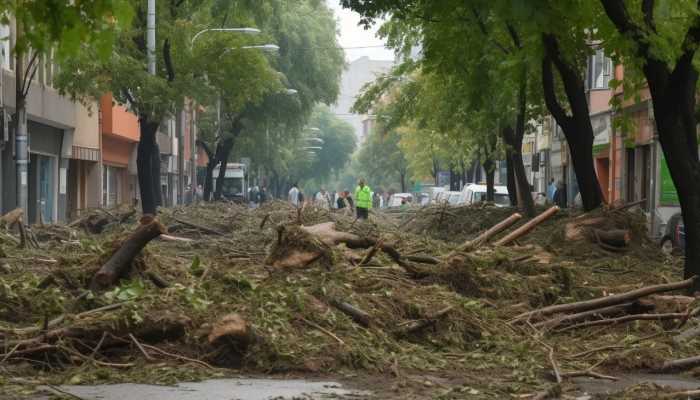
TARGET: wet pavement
(221,389)
(591,386)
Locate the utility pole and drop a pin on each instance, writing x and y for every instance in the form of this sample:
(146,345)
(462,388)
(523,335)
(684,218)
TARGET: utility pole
(151,36)
(21,135)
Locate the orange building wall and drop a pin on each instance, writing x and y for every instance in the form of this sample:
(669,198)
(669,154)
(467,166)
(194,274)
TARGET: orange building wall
(116,152)
(599,100)
(118,121)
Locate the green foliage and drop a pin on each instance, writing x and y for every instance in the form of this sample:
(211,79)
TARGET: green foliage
(66,25)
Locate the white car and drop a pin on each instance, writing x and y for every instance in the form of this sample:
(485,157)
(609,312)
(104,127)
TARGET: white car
(450,197)
(472,194)
(396,199)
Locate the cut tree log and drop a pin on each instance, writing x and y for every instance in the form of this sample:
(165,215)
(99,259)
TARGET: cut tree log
(615,237)
(231,328)
(606,301)
(353,312)
(577,229)
(527,227)
(486,236)
(120,263)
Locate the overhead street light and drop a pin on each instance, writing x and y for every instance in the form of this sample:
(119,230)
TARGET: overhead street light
(250,31)
(314,139)
(271,48)
(312,148)
(265,47)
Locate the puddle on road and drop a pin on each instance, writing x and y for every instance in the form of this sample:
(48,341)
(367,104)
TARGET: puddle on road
(220,389)
(592,386)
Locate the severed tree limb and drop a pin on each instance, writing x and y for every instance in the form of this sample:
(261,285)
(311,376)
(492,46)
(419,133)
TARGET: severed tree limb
(606,301)
(357,315)
(571,318)
(370,254)
(486,236)
(628,318)
(527,227)
(680,364)
(588,373)
(616,237)
(120,262)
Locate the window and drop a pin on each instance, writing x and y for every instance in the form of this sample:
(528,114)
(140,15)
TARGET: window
(600,71)
(111,182)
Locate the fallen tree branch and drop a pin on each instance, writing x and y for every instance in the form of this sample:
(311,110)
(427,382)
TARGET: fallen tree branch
(120,263)
(527,227)
(588,373)
(357,315)
(199,227)
(606,301)
(141,349)
(322,329)
(370,254)
(486,236)
(572,318)
(628,318)
(416,326)
(680,364)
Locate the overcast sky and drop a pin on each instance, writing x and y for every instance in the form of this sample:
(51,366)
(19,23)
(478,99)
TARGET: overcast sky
(352,35)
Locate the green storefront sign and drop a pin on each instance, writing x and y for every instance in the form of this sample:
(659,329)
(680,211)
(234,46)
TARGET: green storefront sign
(669,196)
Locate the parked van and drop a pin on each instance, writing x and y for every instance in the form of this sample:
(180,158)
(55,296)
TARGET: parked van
(477,193)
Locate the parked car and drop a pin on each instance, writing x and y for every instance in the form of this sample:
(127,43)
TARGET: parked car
(451,198)
(396,199)
(477,193)
(435,193)
(674,235)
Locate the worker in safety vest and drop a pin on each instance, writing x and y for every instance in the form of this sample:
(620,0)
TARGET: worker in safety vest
(363,200)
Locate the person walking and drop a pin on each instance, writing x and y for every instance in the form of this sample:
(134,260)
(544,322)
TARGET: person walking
(363,200)
(262,195)
(293,196)
(551,190)
(323,199)
(376,200)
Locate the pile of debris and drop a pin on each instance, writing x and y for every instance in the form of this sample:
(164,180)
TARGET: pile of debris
(280,289)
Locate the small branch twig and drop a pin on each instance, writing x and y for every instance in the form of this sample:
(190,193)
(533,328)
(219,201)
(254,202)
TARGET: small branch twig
(322,329)
(143,351)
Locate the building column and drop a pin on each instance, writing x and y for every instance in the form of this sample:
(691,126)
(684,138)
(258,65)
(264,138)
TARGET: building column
(63,164)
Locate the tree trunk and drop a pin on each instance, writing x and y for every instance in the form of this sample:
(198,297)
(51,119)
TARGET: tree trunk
(510,179)
(490,179)
(209,179)
(402,175)
(673,90)
(155,173)
(144,164)
(521,182)
(226,147)
(577,128)
(514,140)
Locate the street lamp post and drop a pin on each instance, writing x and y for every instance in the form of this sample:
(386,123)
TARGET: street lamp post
(193,126)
